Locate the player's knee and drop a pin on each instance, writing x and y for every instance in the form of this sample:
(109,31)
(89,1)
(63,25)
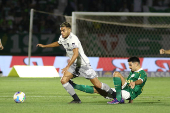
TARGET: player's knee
(63,81)
(116,74)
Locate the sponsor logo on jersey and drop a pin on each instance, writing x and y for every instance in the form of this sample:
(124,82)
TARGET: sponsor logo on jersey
(132,75)
(69,49)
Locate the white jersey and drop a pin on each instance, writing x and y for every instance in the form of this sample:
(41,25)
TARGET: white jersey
(69,44)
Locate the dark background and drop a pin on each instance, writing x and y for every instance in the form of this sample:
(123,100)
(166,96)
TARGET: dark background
(15,19)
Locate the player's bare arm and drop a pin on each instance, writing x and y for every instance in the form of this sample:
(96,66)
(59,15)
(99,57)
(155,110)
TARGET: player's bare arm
(54,44)
(138,82)
(1,47)
(162,51)
(166,51)
(74,57)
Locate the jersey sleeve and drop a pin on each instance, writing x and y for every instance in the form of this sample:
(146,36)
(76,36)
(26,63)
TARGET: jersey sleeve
(59,41)
(142,76)
(75,43)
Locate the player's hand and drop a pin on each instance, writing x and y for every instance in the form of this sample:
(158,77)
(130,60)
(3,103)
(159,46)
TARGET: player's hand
(132,85)
(1,47)
(130,101)
(162,51)
(64,69)
(40,45)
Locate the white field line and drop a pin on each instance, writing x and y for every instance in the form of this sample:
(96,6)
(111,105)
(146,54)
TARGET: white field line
(35,96)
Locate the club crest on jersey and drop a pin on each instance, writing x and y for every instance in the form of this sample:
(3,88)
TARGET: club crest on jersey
(74,46)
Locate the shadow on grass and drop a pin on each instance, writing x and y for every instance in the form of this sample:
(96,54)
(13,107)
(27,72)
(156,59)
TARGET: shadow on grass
(156,103)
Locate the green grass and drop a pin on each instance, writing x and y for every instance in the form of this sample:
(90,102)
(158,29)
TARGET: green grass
(46,95)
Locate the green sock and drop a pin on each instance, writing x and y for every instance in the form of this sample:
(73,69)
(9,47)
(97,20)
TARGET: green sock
(117,83)
(84,88)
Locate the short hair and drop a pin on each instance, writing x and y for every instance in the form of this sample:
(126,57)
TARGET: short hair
(65,24)
(134,59)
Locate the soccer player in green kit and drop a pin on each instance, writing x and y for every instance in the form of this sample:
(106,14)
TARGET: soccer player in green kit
(127,89)
(133,85)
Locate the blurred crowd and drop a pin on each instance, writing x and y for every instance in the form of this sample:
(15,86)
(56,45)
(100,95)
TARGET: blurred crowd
(15,14)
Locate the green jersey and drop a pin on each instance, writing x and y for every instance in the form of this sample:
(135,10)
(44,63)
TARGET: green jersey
(133,76)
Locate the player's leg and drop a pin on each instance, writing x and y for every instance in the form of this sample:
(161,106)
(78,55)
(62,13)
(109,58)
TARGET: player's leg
(125,95)
(65,82)
(84,88)
(119,81)
(90,74)
(105,94)
(91,89)
(95,81)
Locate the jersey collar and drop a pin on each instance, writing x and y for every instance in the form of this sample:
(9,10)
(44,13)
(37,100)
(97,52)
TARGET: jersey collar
(139,70)
(69,36)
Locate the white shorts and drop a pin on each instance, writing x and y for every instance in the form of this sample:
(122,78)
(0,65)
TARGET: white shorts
(85,71)
(125,94)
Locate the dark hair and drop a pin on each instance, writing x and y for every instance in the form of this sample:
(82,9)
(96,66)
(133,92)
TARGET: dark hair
(65,24)
(134,59)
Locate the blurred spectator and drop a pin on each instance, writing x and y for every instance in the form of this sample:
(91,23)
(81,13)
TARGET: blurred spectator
(161,3)
(71,6)
(124,9)
(100,6)
(81,7)
(92,5)
(15,14)
(137,6)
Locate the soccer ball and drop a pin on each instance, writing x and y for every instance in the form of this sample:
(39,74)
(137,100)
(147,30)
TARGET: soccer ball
(19,97)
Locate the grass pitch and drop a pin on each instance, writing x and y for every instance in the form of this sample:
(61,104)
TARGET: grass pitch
(46,95)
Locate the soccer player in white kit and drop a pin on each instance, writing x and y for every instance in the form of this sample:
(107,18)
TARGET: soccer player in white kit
(79,63)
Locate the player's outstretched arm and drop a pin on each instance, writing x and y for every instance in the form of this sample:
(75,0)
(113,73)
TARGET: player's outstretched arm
(162,51)
(1,47)
(54,44)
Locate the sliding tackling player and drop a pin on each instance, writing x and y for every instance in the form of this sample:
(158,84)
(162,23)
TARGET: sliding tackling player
(79,63)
